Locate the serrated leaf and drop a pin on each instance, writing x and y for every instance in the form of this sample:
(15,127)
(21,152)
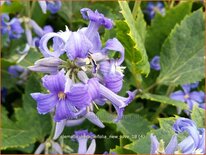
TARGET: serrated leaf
(198,116)
(165,132)
(161,27)
(120,150)
(133,126)
(164,99)
(29,126)
(140,61)
(182,55)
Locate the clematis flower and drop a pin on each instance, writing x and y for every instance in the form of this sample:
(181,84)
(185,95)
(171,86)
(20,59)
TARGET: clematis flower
(11,27)
(97,90)
(61,93)
(158,147)
(155,63)
(188,96)
(195,142)
(153,8)
(82,136)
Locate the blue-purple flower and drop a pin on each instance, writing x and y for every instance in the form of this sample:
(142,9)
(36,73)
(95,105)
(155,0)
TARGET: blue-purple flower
(66,99)
(82,137)
(195,142)
(153,8)
(155,63)
(189,96)
(12,27)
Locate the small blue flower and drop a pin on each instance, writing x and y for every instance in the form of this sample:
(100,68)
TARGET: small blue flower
(155,63)
(15,70)
(11,27)
(152,8)
(188,96)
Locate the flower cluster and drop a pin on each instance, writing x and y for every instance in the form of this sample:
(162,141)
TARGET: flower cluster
(193,144)
(87,78)
(189,96)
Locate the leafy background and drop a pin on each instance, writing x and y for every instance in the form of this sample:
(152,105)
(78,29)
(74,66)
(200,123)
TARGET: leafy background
(178,37)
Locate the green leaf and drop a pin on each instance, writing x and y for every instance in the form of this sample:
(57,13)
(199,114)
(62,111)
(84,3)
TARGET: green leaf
(198,116)
(140,61)
(165,132)
(133,126)
(164,99)
(29,126)
(14,7)
(120,150)
(161,27)
(182,55)
(7,80)
(32,56)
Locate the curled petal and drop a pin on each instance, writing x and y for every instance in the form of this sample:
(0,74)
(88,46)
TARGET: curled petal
(43,45)
(54,6)
(45,102)
(83,76)
(187,145)
(28,36)
(115,45)
(59,129)
(96,17)
(40,149)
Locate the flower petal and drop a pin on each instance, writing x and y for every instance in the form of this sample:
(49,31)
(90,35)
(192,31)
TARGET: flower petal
(94,119)
(92,147)
(178,95)
(57,148)
(172,146)
(45,102)
(43,6)
(55,83)
(40,149)
(154,144)
(59,129)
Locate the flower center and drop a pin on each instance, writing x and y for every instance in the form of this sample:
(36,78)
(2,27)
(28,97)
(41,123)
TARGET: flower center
(186,96)
(61,95)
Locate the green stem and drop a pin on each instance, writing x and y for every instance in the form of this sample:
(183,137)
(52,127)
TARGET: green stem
(53,129)
(32,7)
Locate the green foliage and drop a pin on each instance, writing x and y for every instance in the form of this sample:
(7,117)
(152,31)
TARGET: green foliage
(182,55)
(198,116)
(7,80)
(139,62)
(12,8)
(161,27)
(29,59)
(28,126)
(164,99)
(143,144)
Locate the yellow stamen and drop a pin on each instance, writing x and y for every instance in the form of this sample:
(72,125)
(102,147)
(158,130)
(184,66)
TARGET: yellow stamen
(186,96)
(61,95)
